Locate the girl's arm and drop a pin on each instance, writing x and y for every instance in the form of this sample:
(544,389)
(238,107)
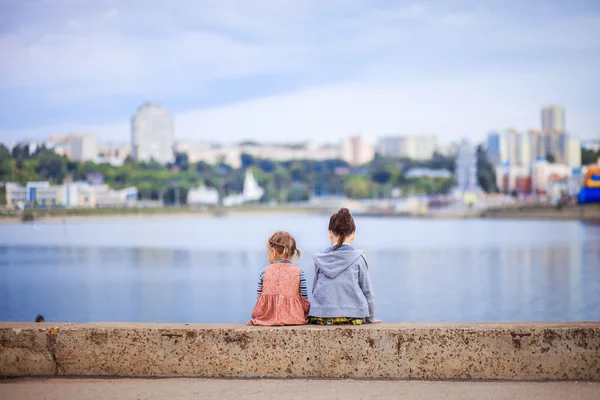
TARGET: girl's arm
(364,281)
(260,284)
(303,287)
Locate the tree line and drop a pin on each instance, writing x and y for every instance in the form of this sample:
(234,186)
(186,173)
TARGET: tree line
(295,180)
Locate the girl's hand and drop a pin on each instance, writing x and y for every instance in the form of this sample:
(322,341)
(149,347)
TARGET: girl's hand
(376,321)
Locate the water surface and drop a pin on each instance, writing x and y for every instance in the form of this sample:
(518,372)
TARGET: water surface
(205,269)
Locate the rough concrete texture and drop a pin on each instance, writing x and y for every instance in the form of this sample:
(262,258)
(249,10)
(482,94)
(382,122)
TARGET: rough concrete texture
(181,388)
(538,351)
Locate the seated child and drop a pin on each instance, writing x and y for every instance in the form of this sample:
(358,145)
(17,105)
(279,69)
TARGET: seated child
(342,292)
(282,293)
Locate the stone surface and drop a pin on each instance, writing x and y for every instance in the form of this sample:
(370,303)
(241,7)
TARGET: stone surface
(540,351)
(224,389)
(26,352)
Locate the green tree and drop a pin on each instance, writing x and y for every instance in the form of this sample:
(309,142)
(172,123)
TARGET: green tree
(181,161)
(7,164)
(589,156)
(486,175)
(357,187)
(50,165)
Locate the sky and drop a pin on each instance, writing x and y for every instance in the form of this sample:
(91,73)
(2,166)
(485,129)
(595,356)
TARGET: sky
(302,70)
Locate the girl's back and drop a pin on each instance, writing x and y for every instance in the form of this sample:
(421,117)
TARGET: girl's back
(280,301)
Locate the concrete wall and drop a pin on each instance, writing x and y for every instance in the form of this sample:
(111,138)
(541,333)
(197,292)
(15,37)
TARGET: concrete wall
(537,351)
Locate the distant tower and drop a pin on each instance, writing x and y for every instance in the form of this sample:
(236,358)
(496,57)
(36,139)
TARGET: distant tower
(466,167)
(152,131)
(252,191)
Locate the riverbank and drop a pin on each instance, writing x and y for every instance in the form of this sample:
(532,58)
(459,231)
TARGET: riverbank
(69,215)
(589,213)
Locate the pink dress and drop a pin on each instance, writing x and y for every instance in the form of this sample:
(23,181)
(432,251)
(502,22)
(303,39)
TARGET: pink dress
(280,302)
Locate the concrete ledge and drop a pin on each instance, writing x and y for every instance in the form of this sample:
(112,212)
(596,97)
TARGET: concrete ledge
(536,351)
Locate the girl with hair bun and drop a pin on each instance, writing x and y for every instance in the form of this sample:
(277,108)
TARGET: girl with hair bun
(342,292)
(282,293)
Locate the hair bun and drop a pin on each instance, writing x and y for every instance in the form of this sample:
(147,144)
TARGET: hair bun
(344,211)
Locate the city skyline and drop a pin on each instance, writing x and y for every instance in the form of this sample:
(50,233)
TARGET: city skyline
(305,70)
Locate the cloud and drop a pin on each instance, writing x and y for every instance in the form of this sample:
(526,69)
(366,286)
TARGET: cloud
(334,64)
(464,106)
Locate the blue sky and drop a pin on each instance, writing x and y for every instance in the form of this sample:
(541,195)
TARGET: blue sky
(276,70)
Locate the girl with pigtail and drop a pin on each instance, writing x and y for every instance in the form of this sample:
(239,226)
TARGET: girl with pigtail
(282,293)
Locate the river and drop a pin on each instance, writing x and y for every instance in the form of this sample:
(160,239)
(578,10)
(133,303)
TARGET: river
(201,269)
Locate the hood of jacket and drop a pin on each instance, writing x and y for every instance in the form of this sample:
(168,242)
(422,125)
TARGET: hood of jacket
(333,263)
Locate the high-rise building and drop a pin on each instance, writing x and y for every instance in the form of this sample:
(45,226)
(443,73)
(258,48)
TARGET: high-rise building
(415,147)
(512,146)
(523,150)
(466,167)
(152,134)
(538,144)
(573,153)
(357,150)
(553,119)
(494,148)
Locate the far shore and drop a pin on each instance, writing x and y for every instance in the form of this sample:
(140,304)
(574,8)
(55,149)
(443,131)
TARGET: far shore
(61,216)
(573,212)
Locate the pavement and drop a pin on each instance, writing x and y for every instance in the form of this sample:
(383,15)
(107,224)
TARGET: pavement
(224,389)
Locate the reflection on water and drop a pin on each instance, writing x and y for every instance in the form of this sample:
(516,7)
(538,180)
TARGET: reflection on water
(555,282)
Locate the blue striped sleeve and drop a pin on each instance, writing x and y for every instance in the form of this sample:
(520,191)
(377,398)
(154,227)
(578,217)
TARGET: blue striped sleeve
(303,288)
(260,284)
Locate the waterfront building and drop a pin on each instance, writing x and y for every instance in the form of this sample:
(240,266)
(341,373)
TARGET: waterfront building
(71,195)
(38,193)
(203,196)
(542,172)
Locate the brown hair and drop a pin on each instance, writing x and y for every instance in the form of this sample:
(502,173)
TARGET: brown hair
(284,245)
(342,225)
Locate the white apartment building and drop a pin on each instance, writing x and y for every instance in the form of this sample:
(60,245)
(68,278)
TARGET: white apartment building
(231,155)
(83,148)
(357,150)
(523,150)
(152,134)
(77,147)
(513,147)
(301,151)
(415,147)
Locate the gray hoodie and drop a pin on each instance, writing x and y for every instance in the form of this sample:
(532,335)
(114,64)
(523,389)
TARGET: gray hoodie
(342,286)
